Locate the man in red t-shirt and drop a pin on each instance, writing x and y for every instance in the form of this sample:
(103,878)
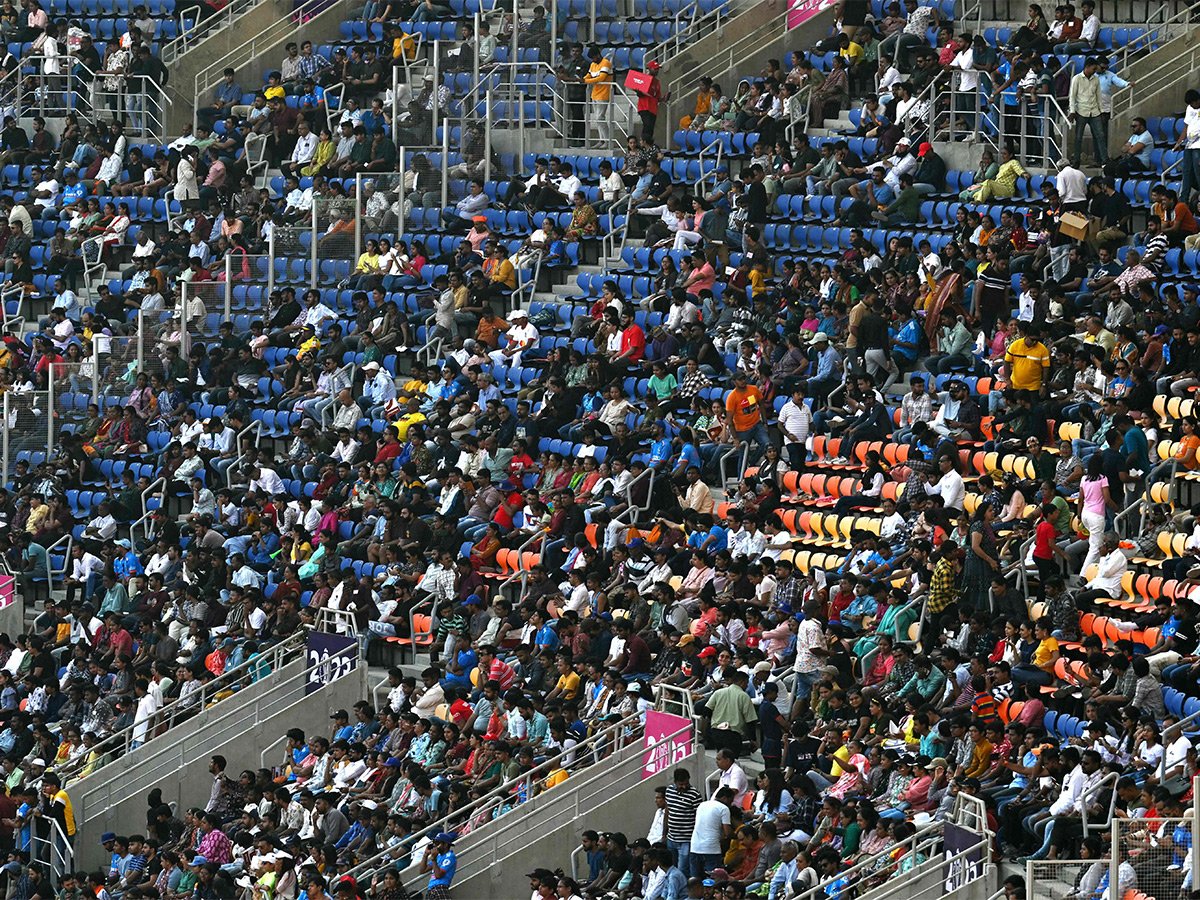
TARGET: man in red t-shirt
(633,342)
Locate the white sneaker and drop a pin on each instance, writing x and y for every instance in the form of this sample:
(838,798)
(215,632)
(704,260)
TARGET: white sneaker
(402,348)
(839,461)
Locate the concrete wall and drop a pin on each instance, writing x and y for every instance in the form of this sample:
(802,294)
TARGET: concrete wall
(628,811)
(697,60)
(320,29)
(239,728)
(12,617)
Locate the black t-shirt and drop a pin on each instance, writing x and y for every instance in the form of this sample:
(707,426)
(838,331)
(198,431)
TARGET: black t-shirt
(872,332)
(802,753)
(756,196)
(659,183)
(1187,636)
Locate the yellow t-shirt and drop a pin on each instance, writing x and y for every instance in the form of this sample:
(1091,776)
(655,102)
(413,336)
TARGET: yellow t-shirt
(272,92)
(1027,364)
(758,282)
(402,424)
(569,685)
(1045,650)
(851,54)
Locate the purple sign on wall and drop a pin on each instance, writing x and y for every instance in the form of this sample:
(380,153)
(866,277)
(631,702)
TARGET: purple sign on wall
(327,658)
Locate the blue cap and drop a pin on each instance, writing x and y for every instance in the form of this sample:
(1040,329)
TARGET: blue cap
(107,836)
(446,837)
(710,882)
(198,861)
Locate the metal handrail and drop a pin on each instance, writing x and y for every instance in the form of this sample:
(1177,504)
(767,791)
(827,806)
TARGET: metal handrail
(59,854)
(256,426)
(169,713)
(725,61)
(698,25)
(502,791)
(520,572)
(1111,778)
(563,803)
(670,695)
(211,75)
(200,30)
(924,837)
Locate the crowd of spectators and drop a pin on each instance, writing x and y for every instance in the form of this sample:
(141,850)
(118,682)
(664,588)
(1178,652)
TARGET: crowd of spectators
(910,667)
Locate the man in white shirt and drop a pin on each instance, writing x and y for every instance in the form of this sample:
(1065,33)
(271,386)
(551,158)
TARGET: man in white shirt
(711,828)
(521,337)
(316,312)
(1189,142)
(795,423)
(731,775)
(611,188)
(103,527)
(1071,184)
(1110,570)
(1070,801)
(85,573)
(265,480)
(950,485)
(147,706)
(45,190)
(302,153)
(61,329)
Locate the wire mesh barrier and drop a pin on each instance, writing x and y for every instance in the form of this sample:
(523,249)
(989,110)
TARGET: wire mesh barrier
(424,180)
(383,207)
(1156,855)
(73,390)
(120,358)
(1059,879)
(206,305)
(333,229)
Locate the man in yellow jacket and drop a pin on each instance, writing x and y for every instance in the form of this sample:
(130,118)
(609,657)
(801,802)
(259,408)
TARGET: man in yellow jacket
(600,77)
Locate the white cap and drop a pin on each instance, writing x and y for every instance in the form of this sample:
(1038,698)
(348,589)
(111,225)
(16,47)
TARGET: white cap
(819,337)
(517,314)
(372,366)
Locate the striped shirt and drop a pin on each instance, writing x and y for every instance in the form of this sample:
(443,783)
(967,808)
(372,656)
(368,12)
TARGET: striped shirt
(681,812)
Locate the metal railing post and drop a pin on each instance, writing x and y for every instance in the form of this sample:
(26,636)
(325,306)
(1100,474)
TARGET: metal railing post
(50,372)
(475,63)
(552,11)
(4,437)
(437,62)
(445,167)
(141,342)
(515,49)
(487,135)
(1114,861)
(271,263)
(95,373)
(313,249)
(228,290)
(358,207)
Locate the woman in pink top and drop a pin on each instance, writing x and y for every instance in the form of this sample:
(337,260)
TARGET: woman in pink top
(1094,498)
(702,276)
(774,642)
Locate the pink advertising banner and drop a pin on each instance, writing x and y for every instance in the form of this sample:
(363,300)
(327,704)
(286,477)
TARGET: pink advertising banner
(666,745)
(800,11)
(6,590)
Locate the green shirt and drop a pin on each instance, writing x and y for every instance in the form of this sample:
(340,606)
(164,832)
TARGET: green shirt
(731,706)
(663,387)
(907,204)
